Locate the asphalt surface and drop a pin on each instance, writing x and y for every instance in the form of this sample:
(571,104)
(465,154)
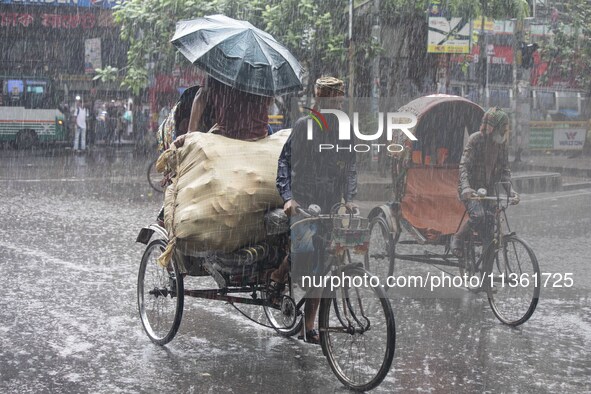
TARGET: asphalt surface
(69,320)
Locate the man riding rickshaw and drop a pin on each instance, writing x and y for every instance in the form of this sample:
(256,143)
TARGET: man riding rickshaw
(451,189)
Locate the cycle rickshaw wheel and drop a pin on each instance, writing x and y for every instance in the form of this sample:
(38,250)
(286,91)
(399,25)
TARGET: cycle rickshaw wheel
(287,318)
(357,333)
(160,295)
(513,281)
(154,177)
(379,259)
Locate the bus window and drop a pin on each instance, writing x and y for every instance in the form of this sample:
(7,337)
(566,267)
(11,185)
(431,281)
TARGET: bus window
(545,101)
(35,94)
(456,90)
(14,92)
(500,98)
(567,101)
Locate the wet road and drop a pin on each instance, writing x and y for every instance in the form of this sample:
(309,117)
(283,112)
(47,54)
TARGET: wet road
(69,321)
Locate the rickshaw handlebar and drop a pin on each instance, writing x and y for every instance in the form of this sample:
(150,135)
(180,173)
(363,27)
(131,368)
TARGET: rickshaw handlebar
(488,198)
(313,214)
(510,200)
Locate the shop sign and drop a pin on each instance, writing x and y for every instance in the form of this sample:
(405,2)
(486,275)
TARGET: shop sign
(72,3)
(53,21)
(489,24)
(541,138)
(497,54)
(569,139)
(557,136)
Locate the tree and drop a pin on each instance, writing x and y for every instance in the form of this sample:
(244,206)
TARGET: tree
(312,30)
(568,53)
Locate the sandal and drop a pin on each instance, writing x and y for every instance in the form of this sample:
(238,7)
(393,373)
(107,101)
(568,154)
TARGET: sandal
(275,292)
(311,337)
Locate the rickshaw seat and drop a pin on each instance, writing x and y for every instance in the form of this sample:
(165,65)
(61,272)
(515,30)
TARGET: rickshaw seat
(430,202)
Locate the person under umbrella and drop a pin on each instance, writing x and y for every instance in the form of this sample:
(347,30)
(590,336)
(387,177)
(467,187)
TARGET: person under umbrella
(237,114)
(247,68)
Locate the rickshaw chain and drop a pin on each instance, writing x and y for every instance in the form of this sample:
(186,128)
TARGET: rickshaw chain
(248,317)
(441,269)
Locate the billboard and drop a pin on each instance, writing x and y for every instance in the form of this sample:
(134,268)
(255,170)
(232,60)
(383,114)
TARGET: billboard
(92,55)
(448,35)
(557,135)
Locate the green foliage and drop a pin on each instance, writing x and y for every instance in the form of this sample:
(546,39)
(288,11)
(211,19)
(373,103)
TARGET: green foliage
(314,31)
(497,9)
(147,26)
(395,9)
(107,74)
(568,53)
(136,79)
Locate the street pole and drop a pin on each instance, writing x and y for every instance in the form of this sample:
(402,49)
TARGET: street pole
(351,89)
(486,92)
(483,60)
(517,129)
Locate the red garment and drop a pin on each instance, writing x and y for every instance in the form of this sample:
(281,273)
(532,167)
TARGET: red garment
(239,115)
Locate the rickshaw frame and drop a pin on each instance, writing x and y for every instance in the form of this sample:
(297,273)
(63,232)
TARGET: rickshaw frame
(343,312)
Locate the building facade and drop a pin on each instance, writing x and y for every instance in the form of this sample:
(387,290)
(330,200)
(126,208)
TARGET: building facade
(62,41)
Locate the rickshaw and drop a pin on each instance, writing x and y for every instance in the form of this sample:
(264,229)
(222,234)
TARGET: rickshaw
(425,211)
(355,321)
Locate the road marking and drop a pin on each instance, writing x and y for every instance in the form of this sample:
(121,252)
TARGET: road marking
(44,257)
(111,180)
(549,198)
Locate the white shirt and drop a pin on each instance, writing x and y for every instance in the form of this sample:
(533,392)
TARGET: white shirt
(81,114)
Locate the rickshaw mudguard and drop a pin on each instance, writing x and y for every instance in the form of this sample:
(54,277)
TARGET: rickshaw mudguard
(388,212)
(146,233)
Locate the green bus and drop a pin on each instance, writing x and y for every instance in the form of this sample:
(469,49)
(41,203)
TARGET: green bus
(28,112)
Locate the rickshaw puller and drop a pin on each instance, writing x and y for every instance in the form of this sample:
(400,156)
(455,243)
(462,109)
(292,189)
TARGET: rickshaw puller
(307,176)
(485,162)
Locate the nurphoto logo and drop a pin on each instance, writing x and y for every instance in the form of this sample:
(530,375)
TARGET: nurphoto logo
(402,121)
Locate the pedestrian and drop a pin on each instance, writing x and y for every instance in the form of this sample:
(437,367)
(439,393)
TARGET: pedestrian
(164,111)
(120,125)
(80,114)
(111,121)
(101,123)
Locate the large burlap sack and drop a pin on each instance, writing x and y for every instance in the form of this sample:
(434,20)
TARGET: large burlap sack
(220,192)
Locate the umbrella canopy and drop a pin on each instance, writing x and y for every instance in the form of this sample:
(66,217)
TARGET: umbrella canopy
(238,54)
